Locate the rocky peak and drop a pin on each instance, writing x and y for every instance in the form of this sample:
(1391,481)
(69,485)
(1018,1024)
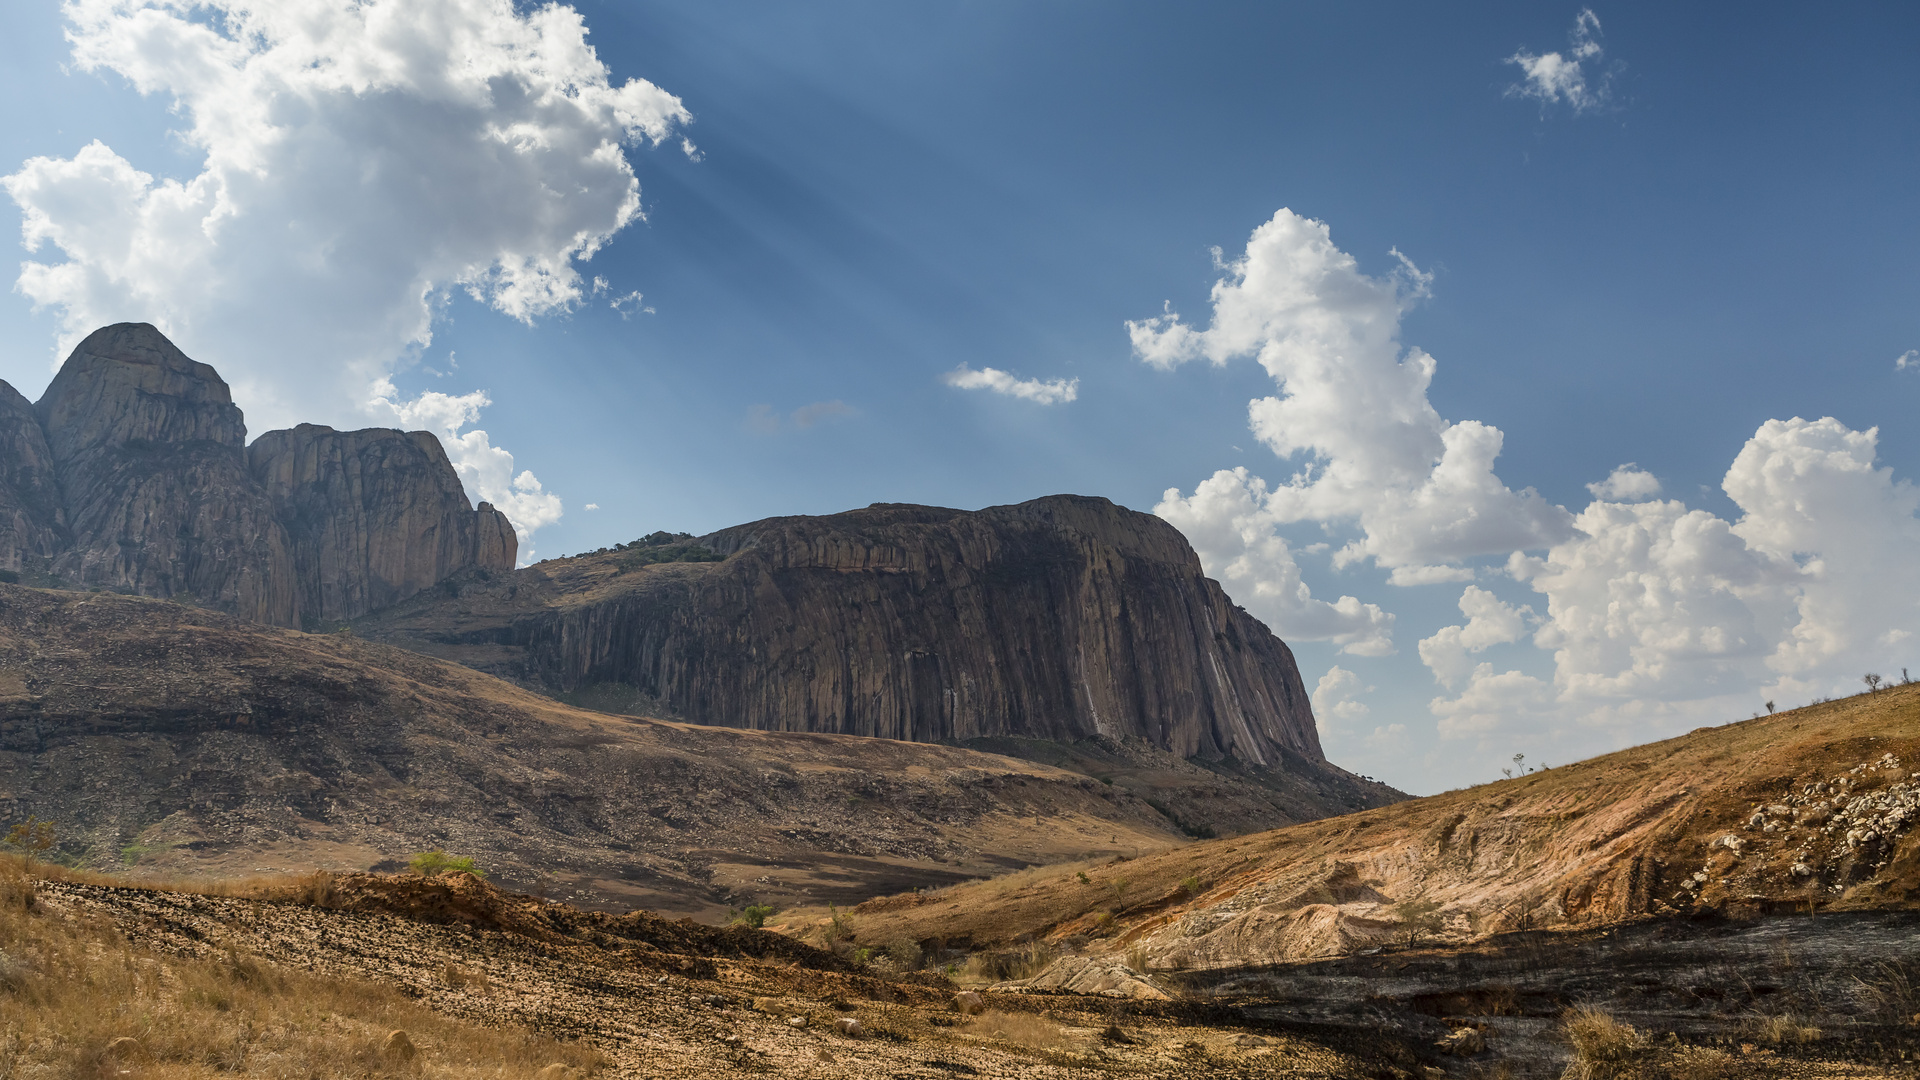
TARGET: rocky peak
(132,474)
(128,382)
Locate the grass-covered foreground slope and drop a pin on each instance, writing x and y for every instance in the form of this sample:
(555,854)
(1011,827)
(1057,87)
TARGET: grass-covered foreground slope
(1813,809)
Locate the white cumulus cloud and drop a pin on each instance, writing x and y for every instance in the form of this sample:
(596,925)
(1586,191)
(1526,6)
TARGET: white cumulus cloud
(1656,616)
(1372,451)
(1336,699)
(358,161)
(1490,622)
(1043,392)
(1229,522)
(1627,483)
(1907,360)
(1573,77)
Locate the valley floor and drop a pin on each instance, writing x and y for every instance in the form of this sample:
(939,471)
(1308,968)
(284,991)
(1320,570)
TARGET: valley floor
(637,996)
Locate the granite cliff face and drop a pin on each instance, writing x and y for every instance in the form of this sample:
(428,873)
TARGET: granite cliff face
(374,516)
(32,521)
(132,474)
(1061,619)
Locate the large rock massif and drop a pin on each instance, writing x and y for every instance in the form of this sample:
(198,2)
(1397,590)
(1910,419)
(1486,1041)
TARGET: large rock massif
(1061,619)
(132,474)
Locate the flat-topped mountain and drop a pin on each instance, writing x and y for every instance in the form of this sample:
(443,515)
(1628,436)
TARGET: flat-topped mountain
(132,474)
(1062,619)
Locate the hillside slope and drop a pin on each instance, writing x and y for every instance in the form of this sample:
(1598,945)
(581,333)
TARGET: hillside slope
(1809,809)
(174,740)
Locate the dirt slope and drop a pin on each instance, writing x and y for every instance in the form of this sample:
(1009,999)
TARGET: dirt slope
(172,740)
(1813,808)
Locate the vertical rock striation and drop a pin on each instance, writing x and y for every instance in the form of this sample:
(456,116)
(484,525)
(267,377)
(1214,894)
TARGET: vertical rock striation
(375,516)
(149,449)
(32,521)
(132,474)
(1059,619)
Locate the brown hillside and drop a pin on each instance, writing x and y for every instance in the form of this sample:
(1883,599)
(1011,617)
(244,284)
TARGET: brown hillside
(1812,808)
(171,740)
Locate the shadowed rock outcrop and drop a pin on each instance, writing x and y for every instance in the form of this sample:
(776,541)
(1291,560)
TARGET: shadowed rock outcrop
(149,449)
(375,515)
(1062,619)
(32,523)
(132,474)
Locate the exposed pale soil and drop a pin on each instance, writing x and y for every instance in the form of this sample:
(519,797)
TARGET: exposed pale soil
(1813,808)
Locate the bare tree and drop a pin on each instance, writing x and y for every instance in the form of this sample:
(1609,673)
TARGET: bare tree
(1769,708)
(1873,681)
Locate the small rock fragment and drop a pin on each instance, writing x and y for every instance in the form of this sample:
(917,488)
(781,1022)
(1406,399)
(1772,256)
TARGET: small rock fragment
(797,1021)
(1463,1042)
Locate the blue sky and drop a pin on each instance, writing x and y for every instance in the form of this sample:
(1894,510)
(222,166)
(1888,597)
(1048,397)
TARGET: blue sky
(1720,235)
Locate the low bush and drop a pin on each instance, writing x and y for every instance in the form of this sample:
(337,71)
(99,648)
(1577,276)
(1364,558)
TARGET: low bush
(1010,965)
(755,915)
(435,863)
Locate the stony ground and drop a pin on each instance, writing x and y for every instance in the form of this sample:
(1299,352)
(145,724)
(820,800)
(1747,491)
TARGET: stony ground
(658,1013)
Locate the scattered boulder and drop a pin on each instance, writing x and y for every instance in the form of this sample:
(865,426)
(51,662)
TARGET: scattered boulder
(398,1047)
(796,1021)
(969,1003)
(851,1028)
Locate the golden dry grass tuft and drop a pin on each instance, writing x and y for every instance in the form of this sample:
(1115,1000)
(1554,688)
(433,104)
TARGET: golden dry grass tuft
(1785,1030)
(77,1001)
(1022,1029)
(1603,1048)
(1702,1063)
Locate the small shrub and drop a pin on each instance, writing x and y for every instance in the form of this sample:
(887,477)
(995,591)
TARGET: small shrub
(1010,965)
(1190,884)
(839,927)
(1084,879)
(1137,958)
(436,863)
(32,836)
(906,954)
(863,956)
(1603,1048)
(1119,887)
(755,915)
(1418,918)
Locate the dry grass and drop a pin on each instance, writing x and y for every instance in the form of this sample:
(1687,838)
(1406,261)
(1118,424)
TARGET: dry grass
(1021,1029)
(1551,831)
(1702,1063)
(1785,1030)
(1603,1048)
(1009,965)
(1892,992)
(76,1001)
